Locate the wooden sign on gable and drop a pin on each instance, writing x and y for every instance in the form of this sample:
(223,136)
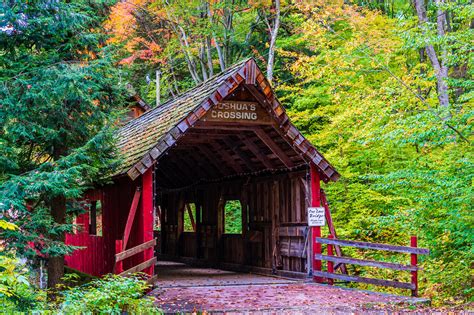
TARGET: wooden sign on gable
(238,111)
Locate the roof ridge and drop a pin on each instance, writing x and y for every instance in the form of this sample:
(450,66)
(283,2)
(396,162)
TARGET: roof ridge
(180,95)
(145,139)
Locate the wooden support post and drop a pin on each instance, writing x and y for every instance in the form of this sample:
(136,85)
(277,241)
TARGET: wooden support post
(220,226)
(118,249)
(191,217)
(330,263)
(332,230)
(315,230)
(262,135)
(198,229)
(146,218)
(414,263)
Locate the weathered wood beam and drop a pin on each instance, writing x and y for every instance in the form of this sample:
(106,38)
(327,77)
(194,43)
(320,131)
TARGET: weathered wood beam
(265,138)
(226,129)
(228,126)
(376,246)
(207,134)
(199,163)
(140,267)
(134,250)
(385,283)
(368,263)
(226,157)
(198,141)
(211,159)
(257,152)
(194,170)
(131,216)
(258,96)
(191,217)
(235,147)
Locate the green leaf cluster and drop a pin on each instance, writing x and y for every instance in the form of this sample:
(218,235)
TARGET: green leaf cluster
(405,169)
(110,295)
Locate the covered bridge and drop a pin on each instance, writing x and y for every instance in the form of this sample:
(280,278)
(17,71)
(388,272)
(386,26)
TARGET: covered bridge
(227,140)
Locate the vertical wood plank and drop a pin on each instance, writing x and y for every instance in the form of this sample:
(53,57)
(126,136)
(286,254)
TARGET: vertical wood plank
(118,249)
(414,262)
(330,264)
(296,183)
(315,231)
(266,206)
(198,228)
(147,217)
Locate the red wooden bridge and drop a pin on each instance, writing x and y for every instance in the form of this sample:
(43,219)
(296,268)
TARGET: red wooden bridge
(228,140)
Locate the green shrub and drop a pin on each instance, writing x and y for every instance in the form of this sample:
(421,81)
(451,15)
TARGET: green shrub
(110,295)
(16,293)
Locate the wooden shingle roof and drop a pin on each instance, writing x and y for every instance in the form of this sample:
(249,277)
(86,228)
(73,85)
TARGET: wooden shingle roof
(143,140)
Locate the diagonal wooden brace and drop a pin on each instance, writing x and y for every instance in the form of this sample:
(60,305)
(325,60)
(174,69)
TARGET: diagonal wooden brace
(131,217)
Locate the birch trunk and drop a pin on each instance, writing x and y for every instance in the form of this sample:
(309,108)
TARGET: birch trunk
(202,57)
(189,58)
(184,45)
(210,66)
(220,53)
(441,70)
(273,37)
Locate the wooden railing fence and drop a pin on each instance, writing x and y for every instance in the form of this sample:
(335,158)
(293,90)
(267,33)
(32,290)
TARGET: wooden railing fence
(121,255)
(331,260)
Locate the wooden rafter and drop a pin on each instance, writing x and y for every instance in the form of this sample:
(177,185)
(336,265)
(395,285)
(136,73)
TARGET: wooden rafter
(256,151)
(262,135)
(228,126)
(190,167)
(211,158)
(194,106)
(234,147)
(227,157)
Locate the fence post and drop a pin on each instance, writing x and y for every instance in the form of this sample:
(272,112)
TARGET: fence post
(118,249)
(315,230)
(330,263)
(414,263)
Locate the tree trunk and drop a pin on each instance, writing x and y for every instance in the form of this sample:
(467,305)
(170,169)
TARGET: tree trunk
(228,22)
(273,37)
(209,56)
(202,54)
(189,58)
(220,54)
(441,70)
(56,264)
(175,81)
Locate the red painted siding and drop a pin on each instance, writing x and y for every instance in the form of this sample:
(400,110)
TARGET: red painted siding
(97,258)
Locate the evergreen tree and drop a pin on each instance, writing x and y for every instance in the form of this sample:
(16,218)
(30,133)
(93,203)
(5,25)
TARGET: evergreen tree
(58,91)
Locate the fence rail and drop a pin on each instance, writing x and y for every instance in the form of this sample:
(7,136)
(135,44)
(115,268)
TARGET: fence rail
(332,260)
(134,250)
(121,255)
(377,246)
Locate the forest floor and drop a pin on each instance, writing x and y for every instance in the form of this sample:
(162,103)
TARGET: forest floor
(181,288)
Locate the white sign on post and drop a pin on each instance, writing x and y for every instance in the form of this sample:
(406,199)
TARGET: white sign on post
(316,216)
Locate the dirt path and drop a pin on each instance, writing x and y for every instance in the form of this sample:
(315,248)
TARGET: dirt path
(184,289)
